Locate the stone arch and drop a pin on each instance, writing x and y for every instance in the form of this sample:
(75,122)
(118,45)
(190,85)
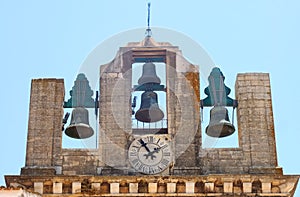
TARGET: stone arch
(180,187)
(161,187)
(199,187)
(256,186)
(124,187)
(143,187)
(105,188)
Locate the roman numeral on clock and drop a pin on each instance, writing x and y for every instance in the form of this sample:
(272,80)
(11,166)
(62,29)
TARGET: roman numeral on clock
(164,146)
(165,162)
(135,161)
(150,139)
(133,154)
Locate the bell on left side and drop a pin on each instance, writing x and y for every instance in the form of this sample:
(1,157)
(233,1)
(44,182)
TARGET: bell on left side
(79,127)
(81,98)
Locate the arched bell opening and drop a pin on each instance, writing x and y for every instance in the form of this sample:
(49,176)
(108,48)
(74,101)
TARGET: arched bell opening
(149,111)
(79,124)
(218,113)
(78,134)
(208,120)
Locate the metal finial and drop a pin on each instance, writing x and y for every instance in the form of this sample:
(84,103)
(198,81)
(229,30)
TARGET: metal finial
(148,30)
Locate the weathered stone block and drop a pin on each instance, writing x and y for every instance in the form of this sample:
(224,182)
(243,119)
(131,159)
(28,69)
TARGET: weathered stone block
(152,187)
(96,186)
(190,187)
(76,187)
(228,187)
(171,187)
(38,187)
(266,187)
(133,187)
(57,188)
(114,188)
(247,187)
(209,187)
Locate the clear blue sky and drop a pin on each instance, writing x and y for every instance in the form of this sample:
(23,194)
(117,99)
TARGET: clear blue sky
(52,38)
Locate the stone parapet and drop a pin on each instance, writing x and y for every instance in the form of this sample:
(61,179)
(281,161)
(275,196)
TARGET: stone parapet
(212,185)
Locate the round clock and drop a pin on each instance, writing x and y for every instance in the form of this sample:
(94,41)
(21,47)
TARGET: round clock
(150,154)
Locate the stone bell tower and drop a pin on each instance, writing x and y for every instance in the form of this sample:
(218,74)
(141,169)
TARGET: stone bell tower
(163,156)
(182,95)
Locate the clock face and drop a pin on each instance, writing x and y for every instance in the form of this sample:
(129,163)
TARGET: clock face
(150,154)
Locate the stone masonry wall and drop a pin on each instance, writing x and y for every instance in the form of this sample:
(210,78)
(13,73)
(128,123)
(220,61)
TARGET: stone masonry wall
(45,122)
(183,112)
(187,117)
(115,114)
(79,161)
(255,120)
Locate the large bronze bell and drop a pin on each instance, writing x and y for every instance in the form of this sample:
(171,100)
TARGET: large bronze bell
(149,74)
(219,125)
(149,110)
(79,127)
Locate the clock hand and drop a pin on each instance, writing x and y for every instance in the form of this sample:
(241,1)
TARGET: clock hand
(153,156)
(150,154)
(156,150)
(144,145)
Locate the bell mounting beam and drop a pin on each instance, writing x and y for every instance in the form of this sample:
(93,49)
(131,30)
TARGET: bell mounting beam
(217,92)
(149,55)
(81,94)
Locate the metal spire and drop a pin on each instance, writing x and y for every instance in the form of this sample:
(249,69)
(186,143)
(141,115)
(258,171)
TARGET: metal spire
(148,30)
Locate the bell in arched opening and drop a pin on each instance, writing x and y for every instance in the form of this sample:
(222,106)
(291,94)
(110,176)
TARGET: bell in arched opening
(79,127)
(219,125)
(149,74)
(149,110)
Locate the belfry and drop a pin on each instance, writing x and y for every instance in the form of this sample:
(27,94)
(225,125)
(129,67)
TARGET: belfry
(149,139)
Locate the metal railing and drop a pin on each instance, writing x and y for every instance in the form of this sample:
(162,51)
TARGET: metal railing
(159,127)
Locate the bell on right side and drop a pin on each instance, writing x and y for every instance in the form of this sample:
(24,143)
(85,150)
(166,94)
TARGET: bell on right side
(219,124)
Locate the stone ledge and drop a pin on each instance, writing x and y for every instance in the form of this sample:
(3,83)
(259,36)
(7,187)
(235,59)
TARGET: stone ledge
(35,171)
(260,170)
(211,185)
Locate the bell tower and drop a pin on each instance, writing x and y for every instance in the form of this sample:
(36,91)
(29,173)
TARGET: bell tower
(182,83)
(158,158)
